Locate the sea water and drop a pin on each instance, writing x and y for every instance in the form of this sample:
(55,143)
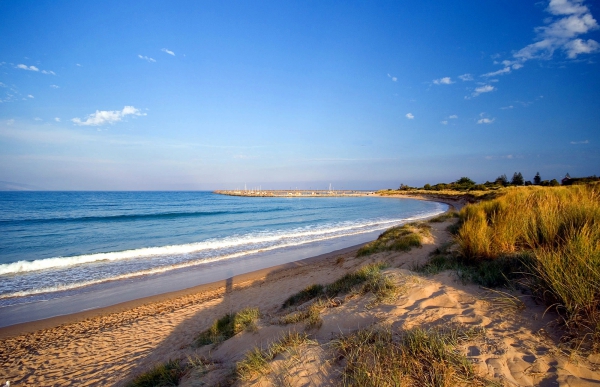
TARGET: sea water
(56,244)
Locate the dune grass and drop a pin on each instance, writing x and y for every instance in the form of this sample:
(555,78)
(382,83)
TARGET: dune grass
(166,374)
(228,326)
(444,217)
(557,229)
(256,362)
(312,315)
(304,295)
(401,238)
(342,285)
(488,273)
(418,357)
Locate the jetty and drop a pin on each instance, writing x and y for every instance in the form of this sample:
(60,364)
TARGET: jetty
(295,193)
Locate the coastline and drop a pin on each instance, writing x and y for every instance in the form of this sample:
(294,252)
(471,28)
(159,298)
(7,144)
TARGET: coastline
(143,332)
(195,294)
(112,345)
(124,294)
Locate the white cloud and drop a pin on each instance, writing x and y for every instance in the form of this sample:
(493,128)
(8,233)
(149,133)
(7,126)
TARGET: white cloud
(517,66)
(454,116)
(24,67)
(580,142)
(443,81)
(486,121)
(2,84)
(146,58)
(483,89)
(77,64)
(168,51)
(507,107)
(394,79)
(10,122)
(54,86)
(505,70)
(102,117)
(37,119)
(466,77)
(30,96)
(566,7)
(444,122)
(410,116)
(57,119)
(578,46)
(574,19)
(33,68)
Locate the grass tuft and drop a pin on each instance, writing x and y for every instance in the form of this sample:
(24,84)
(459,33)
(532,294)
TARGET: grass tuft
(377,357)
(344,284)
(303,296)
(350,281)
(401,238)
(256,362)
(228,326)
(312,315)
(166,374)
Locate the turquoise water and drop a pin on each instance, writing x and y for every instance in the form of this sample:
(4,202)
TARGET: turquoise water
(57,242)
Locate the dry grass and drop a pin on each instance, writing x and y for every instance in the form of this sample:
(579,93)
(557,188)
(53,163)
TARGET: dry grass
(444,217)
(378,357)
(558,230)
(257,361)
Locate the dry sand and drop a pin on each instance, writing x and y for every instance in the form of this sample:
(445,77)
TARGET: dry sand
(111,346)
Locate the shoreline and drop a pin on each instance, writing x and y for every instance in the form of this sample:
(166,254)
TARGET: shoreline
(204,292)
(108,346)
(113,345)
(37,323)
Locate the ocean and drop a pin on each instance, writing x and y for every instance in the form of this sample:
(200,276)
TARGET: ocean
(59,244)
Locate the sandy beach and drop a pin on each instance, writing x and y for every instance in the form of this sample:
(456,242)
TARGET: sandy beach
(110,346)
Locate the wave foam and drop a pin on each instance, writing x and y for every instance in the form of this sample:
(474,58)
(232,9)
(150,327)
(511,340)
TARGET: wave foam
(284,239)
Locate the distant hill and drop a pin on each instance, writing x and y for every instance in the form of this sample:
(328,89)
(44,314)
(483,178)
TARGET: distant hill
(10,186)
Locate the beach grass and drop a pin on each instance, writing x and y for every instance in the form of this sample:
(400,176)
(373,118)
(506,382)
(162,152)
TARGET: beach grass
(401,238)
(228,326)
(554,232)
(311,314)
(165,374)
(488,273)
(304,295)
(256,362)
(368,279)
(418,357)
(345,284)
(444,217)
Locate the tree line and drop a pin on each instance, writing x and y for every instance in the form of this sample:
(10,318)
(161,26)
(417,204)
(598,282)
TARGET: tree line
(466,184)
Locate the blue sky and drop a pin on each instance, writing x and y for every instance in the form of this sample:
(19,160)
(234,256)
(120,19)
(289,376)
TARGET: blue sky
(183,95)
